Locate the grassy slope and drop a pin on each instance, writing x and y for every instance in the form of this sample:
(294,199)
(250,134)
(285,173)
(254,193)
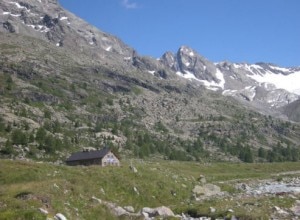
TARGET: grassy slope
(27,186)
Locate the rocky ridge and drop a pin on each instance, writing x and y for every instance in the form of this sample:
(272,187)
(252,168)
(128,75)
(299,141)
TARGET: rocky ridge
(253,83)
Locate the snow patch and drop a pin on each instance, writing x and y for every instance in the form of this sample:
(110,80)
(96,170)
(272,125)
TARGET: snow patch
(151,72)
(212,85)
(187,75)
(15,15)
(229,92)
(18,5)
(127,58)
(191,54)
(6,13)
(280,68)
(43,28)
(187,64)
(256,66)
(220,77)
(63,18)
(108,48)
(40,28)
(251,90)
(288,82)
(30,25)
(237,66)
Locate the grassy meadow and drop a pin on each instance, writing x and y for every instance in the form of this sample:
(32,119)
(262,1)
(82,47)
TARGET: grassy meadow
(27,186)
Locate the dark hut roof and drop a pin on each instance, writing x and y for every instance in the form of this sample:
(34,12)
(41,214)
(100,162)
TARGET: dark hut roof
(88,155)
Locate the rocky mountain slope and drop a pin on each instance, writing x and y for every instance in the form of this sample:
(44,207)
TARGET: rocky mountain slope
(262,84)
(67,85)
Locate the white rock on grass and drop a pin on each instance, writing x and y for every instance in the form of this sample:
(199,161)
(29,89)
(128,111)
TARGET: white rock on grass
(136,190)
(44,211)
(96,199)
(162,211)
(129,209)
(212,209)
(60,216)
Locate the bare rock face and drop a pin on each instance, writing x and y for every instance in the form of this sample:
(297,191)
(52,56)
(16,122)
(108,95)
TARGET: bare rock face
(292,110)
(47,20)
(189,61)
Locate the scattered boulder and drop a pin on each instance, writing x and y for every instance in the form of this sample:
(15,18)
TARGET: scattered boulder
(133,169)
(136,190)
(280,212)
(129,209)
(212,209)
(102,191)
(44,211)
(202,179)
(206,190)
(96,199)
(242,187)
(60,216)
(119,211)
(296,208)
(162,211)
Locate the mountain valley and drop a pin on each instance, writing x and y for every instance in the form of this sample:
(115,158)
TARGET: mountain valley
(196,138)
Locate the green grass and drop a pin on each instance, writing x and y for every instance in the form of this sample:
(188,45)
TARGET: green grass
(69,190)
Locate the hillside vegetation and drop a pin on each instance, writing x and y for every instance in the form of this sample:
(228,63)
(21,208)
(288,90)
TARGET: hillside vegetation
(54,102)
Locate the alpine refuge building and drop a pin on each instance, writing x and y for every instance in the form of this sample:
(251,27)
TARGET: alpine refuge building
(103,157)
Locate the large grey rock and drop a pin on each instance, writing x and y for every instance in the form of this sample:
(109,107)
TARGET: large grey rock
(206,190)
(162,211)
(296,208)
(119,211)
(129,209)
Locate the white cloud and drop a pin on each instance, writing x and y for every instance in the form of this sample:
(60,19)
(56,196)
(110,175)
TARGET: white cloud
(129,5)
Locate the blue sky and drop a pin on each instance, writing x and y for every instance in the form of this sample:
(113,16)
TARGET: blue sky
(233,30)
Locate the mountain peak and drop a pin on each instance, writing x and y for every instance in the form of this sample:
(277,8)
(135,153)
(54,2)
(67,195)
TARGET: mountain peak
(186,50)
